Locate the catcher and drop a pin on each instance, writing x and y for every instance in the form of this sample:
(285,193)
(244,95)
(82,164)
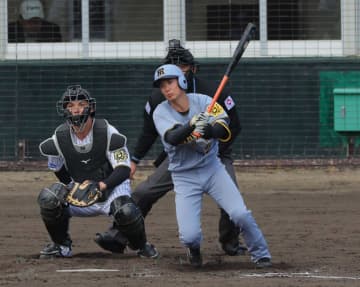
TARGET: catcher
(91,160)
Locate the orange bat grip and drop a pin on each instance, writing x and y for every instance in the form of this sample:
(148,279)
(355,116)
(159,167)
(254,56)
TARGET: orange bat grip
(215,98)
(218,92)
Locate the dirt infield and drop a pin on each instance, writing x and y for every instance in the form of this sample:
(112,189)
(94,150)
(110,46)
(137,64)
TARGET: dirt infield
(310,217)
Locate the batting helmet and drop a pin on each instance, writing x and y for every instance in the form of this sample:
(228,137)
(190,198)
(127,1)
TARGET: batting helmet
(76,93)
(178,55)
(170,71)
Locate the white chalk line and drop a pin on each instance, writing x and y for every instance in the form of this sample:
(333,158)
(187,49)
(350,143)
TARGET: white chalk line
(298,275)
(254,275)
(87,270)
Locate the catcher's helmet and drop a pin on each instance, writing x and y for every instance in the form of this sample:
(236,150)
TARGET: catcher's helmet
(170,71)
(76,93)
(178,55)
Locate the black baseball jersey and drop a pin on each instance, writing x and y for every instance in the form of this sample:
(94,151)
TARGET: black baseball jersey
(195,85)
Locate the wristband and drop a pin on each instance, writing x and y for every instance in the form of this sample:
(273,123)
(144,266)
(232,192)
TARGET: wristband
(135,159)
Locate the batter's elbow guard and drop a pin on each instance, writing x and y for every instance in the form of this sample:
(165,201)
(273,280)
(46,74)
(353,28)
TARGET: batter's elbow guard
(221,131)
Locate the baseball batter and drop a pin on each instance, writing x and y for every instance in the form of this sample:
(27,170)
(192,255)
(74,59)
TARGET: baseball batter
(195,167)
(159,182)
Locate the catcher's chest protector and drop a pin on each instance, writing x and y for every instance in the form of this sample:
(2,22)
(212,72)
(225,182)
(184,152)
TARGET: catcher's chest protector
(92,164)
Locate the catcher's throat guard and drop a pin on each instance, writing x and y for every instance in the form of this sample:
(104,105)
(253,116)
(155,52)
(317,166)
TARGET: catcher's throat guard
(83,194)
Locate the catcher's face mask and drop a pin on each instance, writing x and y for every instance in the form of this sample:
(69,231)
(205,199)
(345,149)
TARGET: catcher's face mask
(76,106)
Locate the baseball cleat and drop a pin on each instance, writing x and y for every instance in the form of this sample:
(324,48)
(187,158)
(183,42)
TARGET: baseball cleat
(54,250)
(194,256)
(149,251)
(264,262)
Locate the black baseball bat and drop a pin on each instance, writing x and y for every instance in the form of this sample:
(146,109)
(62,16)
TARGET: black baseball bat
(239,51)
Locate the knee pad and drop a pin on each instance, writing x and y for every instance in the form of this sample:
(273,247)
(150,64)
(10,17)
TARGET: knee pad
(52,202)
(129,220)
(124,211)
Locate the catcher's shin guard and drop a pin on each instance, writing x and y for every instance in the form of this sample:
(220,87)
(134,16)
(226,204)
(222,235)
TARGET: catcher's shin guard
(228,231)
(54,212)
(129,221)
(229,236)
(112,240)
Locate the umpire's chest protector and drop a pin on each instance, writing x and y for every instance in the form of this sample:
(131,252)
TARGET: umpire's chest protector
(92,164)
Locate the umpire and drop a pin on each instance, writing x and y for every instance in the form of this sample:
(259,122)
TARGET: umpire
(159,183)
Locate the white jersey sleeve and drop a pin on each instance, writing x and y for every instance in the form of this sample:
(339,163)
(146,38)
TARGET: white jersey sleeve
(119,156)
(55,162)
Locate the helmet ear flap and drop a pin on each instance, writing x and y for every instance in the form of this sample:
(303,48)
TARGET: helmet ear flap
(182,82)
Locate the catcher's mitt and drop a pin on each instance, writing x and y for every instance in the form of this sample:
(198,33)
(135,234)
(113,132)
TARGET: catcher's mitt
(83,194)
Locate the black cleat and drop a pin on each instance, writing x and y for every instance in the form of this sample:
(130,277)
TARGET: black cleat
(233,249)
(264,262)
(111,240)
(148,251)
(194,256)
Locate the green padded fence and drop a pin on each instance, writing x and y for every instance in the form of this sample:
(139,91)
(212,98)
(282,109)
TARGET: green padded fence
(284,104)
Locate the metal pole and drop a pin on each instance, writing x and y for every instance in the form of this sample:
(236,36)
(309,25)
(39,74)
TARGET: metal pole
(263,27)
(3,28)
(85,35)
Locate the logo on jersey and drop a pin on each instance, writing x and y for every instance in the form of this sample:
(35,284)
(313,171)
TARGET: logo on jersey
(85,161)
(229,103)
(120,155)
(160,72)
(216,110)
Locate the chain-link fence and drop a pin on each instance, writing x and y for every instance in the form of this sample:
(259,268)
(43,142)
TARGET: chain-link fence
(296,88)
